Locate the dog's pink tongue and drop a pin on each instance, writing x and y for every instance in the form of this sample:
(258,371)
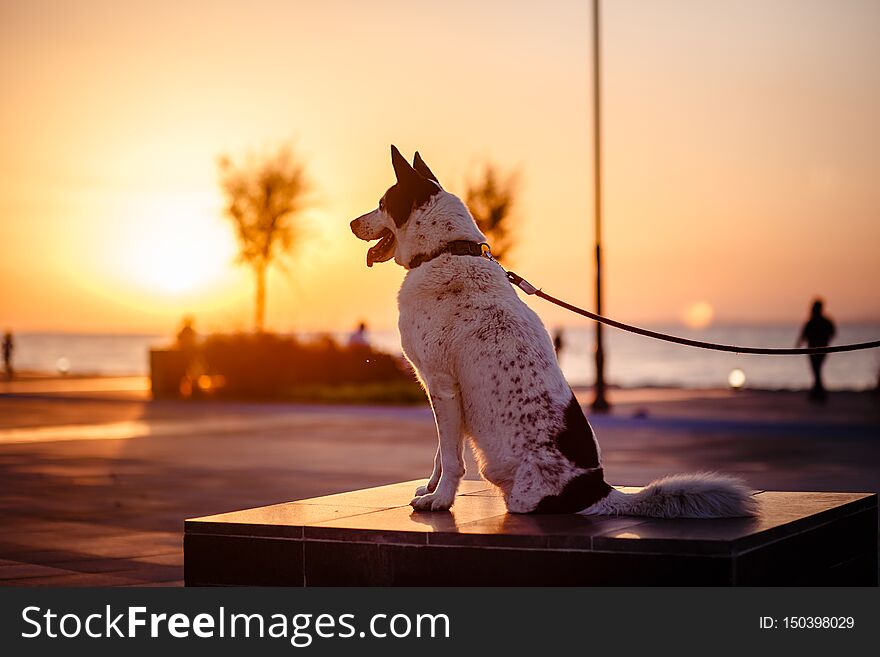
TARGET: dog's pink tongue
(377,251)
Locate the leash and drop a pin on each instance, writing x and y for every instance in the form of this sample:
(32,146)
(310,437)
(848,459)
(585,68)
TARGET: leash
(518,281)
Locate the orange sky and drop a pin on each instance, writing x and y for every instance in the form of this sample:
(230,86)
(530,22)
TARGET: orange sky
(742,152)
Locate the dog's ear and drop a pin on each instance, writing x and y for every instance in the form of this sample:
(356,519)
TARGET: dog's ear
(420,166)
(411,191)
(404,172)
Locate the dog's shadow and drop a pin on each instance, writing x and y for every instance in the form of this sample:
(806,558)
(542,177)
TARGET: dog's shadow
(613,527)
(438,521)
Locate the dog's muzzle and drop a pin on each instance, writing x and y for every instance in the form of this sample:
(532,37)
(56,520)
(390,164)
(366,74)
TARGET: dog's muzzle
(362,229)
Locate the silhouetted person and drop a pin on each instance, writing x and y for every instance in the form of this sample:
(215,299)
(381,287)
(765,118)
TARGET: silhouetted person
(8,349)
(359,337)
(817,332)
(558,342)
(187,344)
(186,336)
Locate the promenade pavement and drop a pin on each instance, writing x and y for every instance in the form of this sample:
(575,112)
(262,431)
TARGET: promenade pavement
(95,485)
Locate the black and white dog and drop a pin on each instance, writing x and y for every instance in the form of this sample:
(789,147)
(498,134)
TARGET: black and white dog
(490,371)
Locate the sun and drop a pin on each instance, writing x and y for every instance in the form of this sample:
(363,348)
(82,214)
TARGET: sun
(698,315)
(182,248)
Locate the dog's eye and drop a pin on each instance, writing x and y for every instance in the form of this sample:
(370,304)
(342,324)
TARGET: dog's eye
(381,203)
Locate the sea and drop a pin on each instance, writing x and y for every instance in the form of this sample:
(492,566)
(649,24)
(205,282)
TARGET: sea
(631,361)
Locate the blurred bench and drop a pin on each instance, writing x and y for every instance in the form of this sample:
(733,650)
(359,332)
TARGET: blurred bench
(167,369)
(372,537)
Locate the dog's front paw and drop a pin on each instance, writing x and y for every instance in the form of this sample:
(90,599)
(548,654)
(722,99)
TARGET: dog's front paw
(432,502)
(424,490)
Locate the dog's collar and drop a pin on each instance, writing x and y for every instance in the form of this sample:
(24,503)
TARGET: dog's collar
(455,247)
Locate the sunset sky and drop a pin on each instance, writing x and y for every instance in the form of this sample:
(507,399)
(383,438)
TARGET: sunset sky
(742,152)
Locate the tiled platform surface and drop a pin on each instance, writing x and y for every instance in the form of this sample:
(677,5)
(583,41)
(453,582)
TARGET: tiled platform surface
(372,537)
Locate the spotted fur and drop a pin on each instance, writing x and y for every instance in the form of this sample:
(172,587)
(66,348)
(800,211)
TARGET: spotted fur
(490,370)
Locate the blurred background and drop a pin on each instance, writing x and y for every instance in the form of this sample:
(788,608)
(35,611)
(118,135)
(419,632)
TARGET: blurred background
(741,160)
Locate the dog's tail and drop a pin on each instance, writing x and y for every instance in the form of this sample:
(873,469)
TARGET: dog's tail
(701,495)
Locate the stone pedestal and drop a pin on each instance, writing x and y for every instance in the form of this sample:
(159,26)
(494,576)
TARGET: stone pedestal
(372,537)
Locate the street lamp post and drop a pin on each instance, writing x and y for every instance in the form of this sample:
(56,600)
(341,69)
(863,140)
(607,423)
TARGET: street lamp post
(600,403)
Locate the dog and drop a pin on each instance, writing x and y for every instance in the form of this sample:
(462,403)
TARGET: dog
(488,366)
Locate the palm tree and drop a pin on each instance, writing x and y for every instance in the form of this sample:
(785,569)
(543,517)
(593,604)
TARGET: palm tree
(490,197)
(265,196)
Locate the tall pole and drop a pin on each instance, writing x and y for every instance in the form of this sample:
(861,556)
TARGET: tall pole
(600,403)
